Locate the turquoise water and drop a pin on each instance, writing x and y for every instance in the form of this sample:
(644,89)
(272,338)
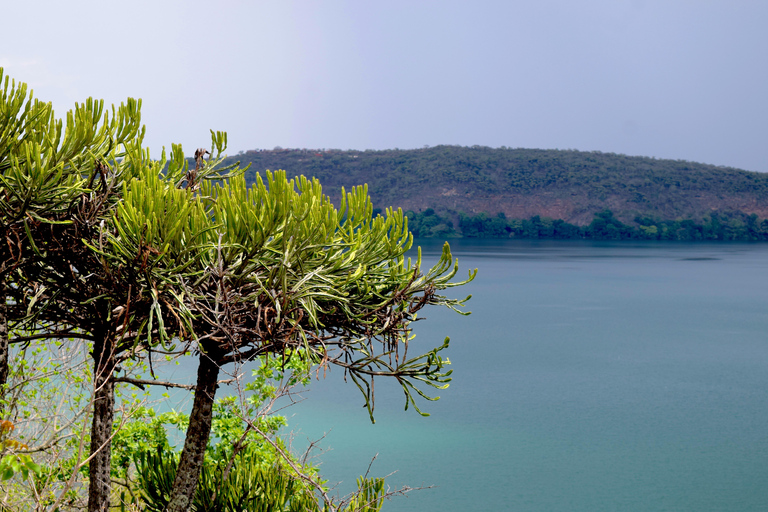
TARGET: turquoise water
(589,377)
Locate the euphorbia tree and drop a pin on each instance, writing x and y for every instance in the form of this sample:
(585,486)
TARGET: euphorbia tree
(104,244)
(280,270)
(60,183)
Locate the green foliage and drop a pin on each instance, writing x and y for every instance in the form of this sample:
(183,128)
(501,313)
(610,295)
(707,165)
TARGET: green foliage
(45,164)
(249,485)
(482,226)
(369,496)
(144,431)
(429,224)
(47,390)
(18,464)
(721,226)
(259,479)
(298,271)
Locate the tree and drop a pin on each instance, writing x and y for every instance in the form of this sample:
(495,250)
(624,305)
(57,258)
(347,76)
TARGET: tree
(48,207)
(61,183)
(279,270)
(130,254)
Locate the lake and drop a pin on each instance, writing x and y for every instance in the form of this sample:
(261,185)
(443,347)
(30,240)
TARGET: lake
(589,377)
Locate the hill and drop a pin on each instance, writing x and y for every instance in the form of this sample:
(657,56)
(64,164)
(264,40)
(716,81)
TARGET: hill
(523,183)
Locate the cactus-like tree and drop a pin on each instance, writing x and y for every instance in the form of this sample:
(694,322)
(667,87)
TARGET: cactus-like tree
(60,182)
(277,269)
(138,256)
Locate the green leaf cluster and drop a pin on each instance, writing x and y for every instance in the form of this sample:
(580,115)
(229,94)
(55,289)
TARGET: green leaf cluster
(249,485)
(19,463)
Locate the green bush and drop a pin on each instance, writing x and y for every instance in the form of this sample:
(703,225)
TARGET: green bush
(248,487)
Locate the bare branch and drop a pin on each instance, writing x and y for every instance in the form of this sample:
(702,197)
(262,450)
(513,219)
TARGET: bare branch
(140,383)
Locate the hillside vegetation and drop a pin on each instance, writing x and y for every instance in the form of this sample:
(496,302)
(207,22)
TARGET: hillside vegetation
(520,184)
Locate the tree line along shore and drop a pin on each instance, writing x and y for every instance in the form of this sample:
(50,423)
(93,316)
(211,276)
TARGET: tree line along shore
(723,226)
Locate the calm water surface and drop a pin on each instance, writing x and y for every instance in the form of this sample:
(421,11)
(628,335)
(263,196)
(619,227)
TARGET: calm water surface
(589,377)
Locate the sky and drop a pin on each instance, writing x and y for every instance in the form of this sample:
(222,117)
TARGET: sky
(679,79)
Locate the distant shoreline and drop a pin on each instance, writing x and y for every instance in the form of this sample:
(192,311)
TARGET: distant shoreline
(716,227)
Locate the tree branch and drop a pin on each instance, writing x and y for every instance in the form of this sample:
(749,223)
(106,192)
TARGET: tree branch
(140,383)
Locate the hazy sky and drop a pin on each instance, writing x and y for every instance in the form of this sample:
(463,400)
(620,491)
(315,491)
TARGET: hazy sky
(671,79)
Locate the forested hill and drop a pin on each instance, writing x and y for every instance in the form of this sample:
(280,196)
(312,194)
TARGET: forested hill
(568,185)
(522,183)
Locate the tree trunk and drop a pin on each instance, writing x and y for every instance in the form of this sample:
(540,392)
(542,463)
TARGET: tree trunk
(4,349)
(5,343)
(101,428)
(198,433)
